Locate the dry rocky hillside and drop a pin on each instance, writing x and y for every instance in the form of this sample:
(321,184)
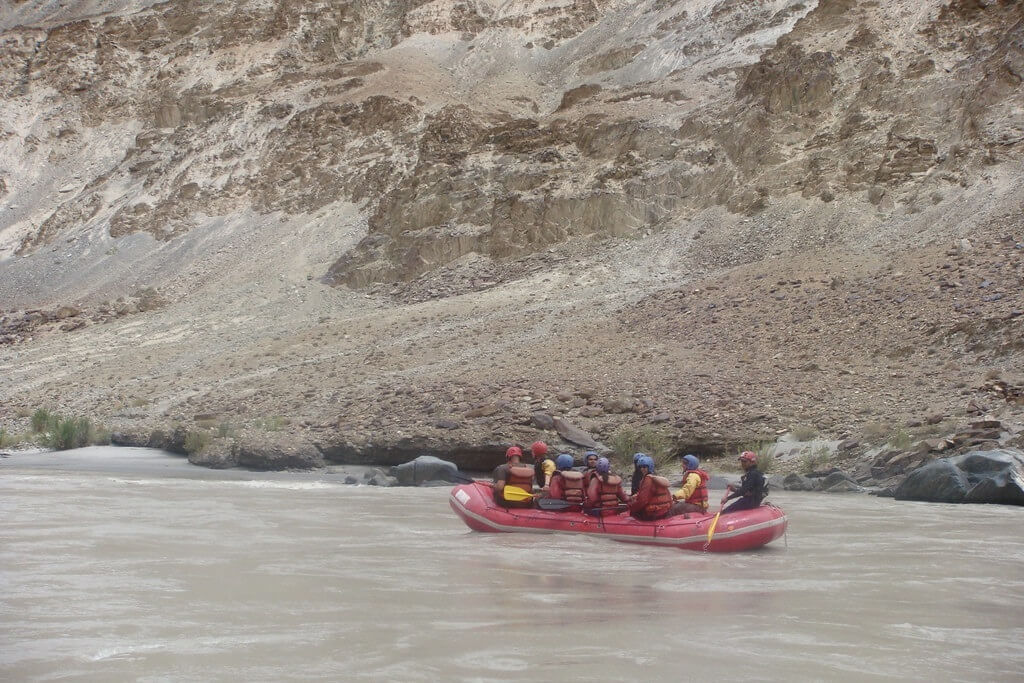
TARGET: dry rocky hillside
(363,230)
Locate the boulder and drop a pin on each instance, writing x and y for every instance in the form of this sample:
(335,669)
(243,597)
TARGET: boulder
(797,482)
(276,451)
(997,476)
(219,454)
(425,468)
(837,482)
(543,421)
(980,476)
(574,434)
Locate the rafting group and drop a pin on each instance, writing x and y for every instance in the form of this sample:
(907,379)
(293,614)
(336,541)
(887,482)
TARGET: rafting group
(558,485)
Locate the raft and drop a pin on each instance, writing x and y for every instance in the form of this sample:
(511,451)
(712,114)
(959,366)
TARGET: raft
(744,530)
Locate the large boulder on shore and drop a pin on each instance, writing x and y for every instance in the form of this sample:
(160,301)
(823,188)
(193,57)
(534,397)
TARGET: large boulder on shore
(219,454)
(995,476)
(425,468)
(276,451)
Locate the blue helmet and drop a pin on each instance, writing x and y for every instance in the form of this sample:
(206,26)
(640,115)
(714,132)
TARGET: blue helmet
(603,466)
(646,461)
(563,461)
(637,456)
(691,462)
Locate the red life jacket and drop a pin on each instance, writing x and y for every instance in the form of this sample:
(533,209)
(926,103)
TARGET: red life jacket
(700,494)
(521,476)
(607,491)
(660,501)
(572,486)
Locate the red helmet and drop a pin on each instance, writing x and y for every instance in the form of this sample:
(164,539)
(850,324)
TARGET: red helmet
(538,448)
(513,451)
(748,456)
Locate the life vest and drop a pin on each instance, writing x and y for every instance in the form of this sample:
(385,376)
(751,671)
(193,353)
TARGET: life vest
(521,476)
(700,494)
(572,486)
(607,491)
(660,501)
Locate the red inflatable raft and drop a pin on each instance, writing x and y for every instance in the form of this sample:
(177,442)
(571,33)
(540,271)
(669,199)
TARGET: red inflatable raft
(743,530)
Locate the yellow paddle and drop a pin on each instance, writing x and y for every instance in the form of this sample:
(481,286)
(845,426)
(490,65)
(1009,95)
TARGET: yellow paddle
(515,493)
(714,523)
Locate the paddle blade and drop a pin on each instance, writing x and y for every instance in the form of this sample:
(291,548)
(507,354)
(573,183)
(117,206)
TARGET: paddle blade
(515,493)
(553,504)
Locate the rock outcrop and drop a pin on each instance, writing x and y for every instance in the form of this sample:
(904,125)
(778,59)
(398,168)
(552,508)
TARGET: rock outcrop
(975,477)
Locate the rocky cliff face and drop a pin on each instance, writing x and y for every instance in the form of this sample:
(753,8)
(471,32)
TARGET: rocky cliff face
(343,182)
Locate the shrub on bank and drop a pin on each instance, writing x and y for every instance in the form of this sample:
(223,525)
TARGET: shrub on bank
(629,440)
(62,433)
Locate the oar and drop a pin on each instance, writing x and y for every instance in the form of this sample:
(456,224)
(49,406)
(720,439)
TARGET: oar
(554,504)
(714,523)
(515,493)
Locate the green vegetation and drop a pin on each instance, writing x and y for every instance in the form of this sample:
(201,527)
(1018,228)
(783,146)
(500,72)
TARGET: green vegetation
(804,432)
(62,433)
(876,432)
(272,424)
(225,429)
(8,439)
(765,462)
(900,439)
(814,459)
(629,440)
(196,440)
(42,419)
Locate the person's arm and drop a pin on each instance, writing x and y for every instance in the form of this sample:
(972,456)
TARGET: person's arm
(689,486)
(548,466)
(592,488)
(557,489)
(621,493)
(639,501)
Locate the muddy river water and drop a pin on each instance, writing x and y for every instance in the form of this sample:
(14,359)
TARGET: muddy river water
(126,564)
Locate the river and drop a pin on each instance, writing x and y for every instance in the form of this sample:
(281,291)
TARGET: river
(127,564)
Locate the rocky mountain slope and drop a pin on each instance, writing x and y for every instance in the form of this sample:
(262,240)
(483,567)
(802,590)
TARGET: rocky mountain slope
(403,225)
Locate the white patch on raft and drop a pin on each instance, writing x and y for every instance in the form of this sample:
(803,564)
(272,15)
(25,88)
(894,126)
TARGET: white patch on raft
(462,496)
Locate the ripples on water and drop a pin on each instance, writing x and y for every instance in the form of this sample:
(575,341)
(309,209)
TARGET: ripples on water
(129,565)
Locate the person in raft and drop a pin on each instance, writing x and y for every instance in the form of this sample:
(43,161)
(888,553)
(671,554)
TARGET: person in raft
(543,466)
(693,496)
(634,485)
(604,491)
(513,473)
(653,500)
(566,483)
(589,468)
(753,487)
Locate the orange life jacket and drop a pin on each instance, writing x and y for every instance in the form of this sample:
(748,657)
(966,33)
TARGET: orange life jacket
(661,499)
(700,494)
(521,476)
(572,486)
(607,491)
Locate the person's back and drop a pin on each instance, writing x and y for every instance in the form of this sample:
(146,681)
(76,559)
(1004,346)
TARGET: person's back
(653,500)
(514,474)
(566,484)
(604,492)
